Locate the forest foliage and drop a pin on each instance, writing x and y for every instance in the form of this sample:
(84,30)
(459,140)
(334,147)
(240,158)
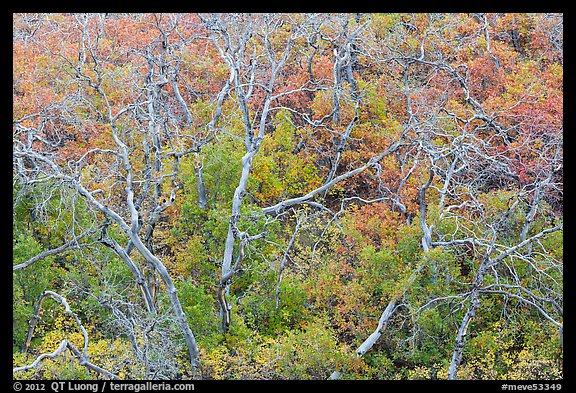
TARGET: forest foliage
(288,196)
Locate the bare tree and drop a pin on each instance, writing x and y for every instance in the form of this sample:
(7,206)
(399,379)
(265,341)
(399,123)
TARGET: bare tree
(461,160)
(241,40)
(451,152)
(82,356)
(133,175)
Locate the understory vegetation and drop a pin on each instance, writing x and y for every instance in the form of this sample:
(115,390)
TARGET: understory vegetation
(288,196)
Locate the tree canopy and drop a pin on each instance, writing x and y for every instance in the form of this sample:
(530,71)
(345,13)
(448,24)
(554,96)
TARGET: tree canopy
(288,196)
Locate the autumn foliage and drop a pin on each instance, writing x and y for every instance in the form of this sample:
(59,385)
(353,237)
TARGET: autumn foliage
(405,169)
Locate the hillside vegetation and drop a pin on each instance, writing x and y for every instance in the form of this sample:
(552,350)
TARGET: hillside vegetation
(288,196)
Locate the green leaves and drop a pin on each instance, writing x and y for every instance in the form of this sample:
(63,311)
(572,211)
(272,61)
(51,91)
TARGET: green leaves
(472,102)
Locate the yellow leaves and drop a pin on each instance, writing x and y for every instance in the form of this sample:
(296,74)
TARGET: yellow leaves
(322,104)
(264,355)
(253,360)
(22,359)
(64,327)
(497,353)
(530,367)
(330,276)
(381,23)
(214,362)
(277,171)
(189,255)
(421,373)
(55,337)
